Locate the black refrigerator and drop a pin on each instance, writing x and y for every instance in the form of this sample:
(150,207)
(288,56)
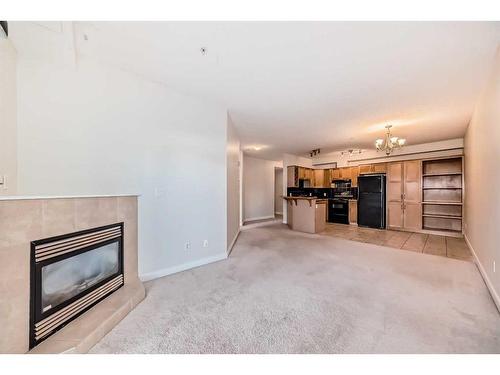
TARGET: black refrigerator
(371,201)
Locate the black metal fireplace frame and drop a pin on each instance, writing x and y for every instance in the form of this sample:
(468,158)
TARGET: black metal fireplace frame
(36,314)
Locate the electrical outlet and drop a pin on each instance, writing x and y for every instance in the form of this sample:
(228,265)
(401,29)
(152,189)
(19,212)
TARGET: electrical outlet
(187,245)
(205,243)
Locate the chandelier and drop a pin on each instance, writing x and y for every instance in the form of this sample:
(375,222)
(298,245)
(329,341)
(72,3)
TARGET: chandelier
(389,143)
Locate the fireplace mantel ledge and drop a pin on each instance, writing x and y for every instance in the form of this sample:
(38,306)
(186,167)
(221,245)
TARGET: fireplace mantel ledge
(28,197)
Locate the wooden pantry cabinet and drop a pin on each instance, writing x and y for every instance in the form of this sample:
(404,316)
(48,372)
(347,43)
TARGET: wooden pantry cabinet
(404,195)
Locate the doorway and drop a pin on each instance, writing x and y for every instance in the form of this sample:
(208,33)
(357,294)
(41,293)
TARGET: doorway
(278,192)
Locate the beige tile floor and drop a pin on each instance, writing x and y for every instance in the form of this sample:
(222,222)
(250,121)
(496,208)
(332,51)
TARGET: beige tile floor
(450,247)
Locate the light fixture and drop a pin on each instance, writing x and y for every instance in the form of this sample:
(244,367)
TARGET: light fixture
(350,152)
(390,142)
(315,152)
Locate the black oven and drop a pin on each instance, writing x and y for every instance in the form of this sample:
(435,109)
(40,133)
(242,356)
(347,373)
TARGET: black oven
(338,211)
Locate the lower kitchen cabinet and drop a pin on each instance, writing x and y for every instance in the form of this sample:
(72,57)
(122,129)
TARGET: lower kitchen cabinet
(353,212)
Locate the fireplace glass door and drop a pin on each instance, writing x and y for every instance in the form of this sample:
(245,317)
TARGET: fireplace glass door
(69,277)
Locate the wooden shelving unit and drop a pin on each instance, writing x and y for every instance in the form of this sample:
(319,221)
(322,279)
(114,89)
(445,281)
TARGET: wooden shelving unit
(442,195)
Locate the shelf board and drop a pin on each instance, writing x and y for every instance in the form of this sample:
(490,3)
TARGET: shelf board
(444,203)
(442,174)
(442,230)
(442,188)
(443,216)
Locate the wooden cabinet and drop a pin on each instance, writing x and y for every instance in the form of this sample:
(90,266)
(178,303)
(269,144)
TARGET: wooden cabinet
(335,174)
(404,204)
(373,168)
(309,174)
(319,177)
(354,176)
(345,173)
(380,168)
(353,212)
(292,176)
(302,173)
(365,168)
(327,179)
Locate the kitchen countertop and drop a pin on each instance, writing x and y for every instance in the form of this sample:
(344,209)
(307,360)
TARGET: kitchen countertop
(310,199)
(319,199)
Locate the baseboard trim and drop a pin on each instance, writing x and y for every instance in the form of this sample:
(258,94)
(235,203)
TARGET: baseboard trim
(258,218)
(230,248)
(484,275)
(182,267)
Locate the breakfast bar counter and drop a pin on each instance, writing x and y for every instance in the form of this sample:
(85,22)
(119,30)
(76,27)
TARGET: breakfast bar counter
(306,214)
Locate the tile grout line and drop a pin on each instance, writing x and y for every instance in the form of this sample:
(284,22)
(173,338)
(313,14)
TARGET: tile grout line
(404,243)
(425,243)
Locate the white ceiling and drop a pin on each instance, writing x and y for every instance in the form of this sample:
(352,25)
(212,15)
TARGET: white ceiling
(295,86)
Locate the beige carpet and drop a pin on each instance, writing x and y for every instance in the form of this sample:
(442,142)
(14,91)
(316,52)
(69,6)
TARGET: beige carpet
(285,292)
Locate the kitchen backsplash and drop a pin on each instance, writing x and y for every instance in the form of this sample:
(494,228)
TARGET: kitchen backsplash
(321,192)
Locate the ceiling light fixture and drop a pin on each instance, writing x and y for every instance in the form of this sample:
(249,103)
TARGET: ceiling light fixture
(389,143)
(351,152)
(315,152)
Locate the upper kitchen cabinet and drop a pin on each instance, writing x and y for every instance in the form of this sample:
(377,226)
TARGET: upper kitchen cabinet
(354,176)
(296,173)
(309,174)
(335,173)
(292,176)
(302,173)
(345,173)
(327,179)
(373,168)
(319,176)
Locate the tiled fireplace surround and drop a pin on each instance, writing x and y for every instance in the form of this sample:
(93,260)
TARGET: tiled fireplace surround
(23,220)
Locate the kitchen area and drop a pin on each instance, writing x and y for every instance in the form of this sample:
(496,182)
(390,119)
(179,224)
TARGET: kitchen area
(352,195)
(409,204)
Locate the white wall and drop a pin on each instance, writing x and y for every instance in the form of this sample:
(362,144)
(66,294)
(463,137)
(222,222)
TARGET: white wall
(258,188)
(482,178)
(8,126)
(289,159)
(87,129)
(233,152)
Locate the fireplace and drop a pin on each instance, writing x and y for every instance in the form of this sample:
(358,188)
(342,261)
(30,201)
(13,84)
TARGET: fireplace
(70,274)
